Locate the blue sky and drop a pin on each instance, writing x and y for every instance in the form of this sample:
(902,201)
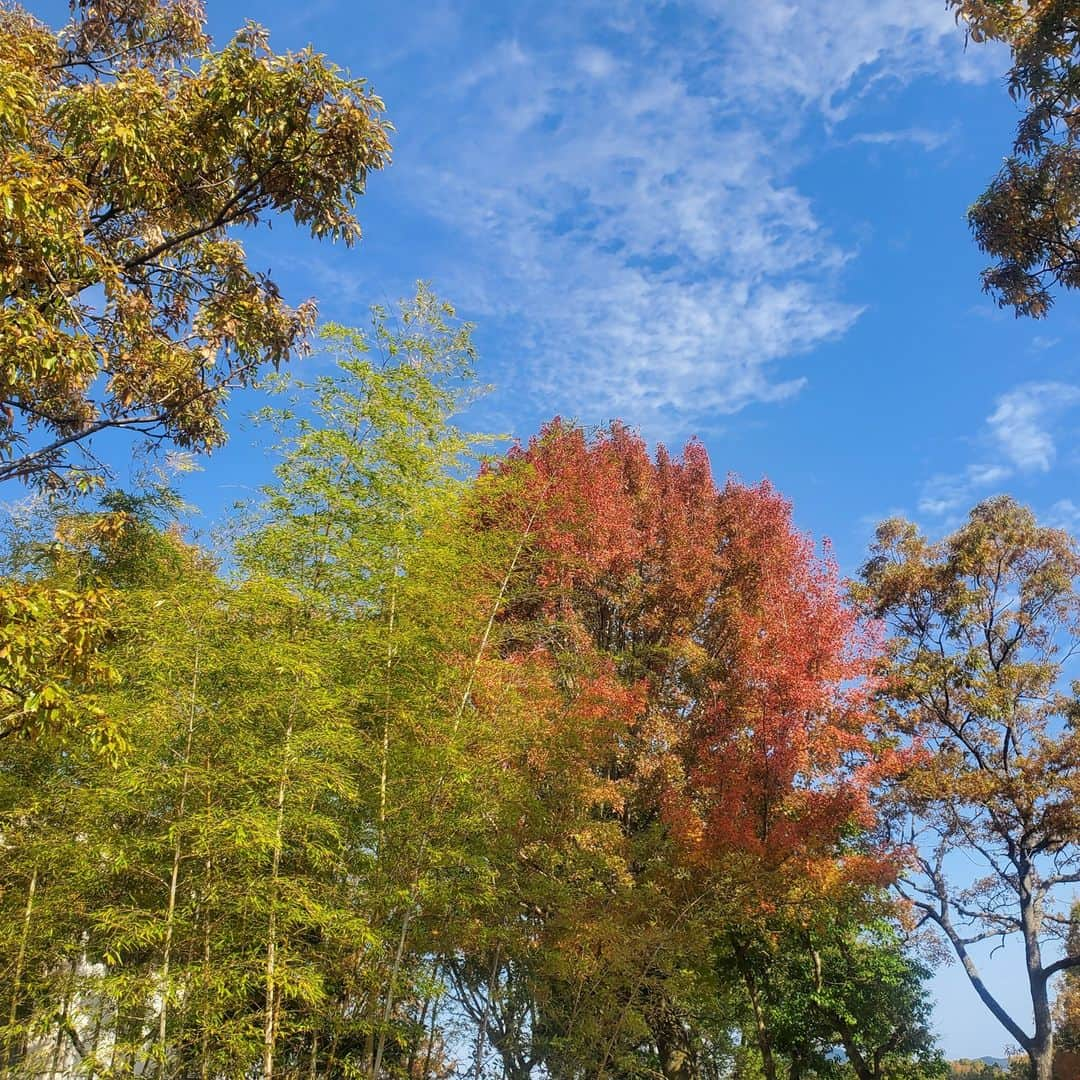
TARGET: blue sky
(744,221)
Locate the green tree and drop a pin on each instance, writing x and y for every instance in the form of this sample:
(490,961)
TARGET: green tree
(363,522)
(131,152)
(304,813)
(842,988)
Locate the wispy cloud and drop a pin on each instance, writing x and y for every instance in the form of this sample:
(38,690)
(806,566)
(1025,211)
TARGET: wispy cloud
(630,212)
(928,140)
(1021,432)
(1040,342)
(829,55)
(947,493)
(1021,424)
(1064,514)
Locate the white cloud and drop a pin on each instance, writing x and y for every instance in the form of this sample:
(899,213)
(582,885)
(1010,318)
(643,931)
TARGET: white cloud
(987,475)
(947,493)
(1064,514)
(596,63)
(827,53)
(1021,429)
(1021,423)
(631,210)
(928,140)
(1040,343)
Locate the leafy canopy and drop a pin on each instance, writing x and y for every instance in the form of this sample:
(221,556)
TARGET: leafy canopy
(130,152)
(1028,219)
(984,623)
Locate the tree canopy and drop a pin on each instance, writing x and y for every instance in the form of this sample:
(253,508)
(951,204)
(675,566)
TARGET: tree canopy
(131,154)
(567,761)
(983,622)
(1028,219)
(484,768)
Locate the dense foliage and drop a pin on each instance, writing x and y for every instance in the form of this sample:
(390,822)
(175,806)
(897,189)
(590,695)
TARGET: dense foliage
(1028,219)
(130,153)
(566,762)
(494,771)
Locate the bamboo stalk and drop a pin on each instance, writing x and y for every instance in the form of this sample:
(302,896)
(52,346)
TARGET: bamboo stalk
(20,960)
(204,1035)
(376,1064)
(491,621)
(54,1064)
(269,1024)
(170,911)
(430,1049)
(383,764)
(96,1037)
(481,1034)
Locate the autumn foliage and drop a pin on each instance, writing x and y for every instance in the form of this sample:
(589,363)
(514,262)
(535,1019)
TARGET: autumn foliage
(570,763)
(744,720)
(582,746)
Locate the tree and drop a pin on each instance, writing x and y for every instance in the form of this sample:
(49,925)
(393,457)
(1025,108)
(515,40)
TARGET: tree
(200,904)
(131,152)
(966,1069)
(983,622)
(840,986)
(744,658)
(363,522)
(708,655)
(61,614)
(302,819)
(1028,219)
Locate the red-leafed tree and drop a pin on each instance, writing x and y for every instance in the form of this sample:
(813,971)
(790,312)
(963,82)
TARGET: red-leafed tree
(776,752)
(741,758)
(753,732)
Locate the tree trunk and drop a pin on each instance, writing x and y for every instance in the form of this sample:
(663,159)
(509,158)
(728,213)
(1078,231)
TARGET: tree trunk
(761,1028)
(677,1058)
(857,1062)
(1041,1059)
(1040,1049)
(674,1042)
(1041,1064)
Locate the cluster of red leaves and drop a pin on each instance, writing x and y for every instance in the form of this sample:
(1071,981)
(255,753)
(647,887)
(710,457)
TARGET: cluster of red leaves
(745,718)
(785,718)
